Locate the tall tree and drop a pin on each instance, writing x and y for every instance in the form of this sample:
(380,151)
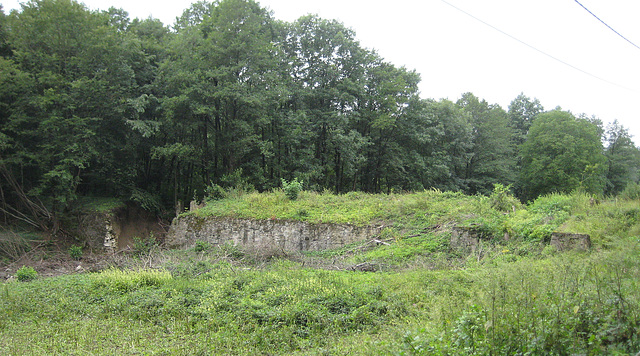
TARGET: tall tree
(220,81)
(491,158)
(522,112)
(623,158)
(327,68)
(69,122)
(562,154)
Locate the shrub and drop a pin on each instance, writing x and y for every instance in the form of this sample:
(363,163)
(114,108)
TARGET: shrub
(75,252)
(292,189)
(631,191)
(214,192)
(122,281)
(143,246)
(501,198)
(26,274)
(202,246)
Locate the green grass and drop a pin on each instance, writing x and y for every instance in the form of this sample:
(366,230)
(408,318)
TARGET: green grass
(351,208)
(512,297)
(565,303)
(99,204)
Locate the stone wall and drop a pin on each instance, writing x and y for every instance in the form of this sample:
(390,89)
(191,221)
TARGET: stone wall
(283,234)
(99,230)
(568,241)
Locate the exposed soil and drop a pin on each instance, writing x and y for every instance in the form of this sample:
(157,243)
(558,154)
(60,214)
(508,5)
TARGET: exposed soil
(55,261)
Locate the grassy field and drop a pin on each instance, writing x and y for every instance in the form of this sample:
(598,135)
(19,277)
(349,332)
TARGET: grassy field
(512,297)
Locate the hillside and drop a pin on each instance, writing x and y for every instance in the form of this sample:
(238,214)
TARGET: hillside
(510,296)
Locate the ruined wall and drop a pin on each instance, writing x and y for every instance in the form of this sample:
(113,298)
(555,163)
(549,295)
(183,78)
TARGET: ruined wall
(284,234)
(116,229)
(568,241)
(466,239)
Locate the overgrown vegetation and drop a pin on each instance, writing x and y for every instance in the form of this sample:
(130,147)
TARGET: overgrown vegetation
(103,109)
(227,105)
(511,296)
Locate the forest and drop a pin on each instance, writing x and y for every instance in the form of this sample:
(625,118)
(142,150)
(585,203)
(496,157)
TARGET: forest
(96,104)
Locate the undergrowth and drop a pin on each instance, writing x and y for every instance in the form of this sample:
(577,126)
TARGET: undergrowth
(508,296)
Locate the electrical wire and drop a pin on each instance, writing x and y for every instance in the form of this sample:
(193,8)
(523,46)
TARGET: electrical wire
(536,49)
(604,23)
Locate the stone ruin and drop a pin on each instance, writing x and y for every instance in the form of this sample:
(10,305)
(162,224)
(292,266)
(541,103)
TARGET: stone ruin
(568,241)
(115,229)
(468,239)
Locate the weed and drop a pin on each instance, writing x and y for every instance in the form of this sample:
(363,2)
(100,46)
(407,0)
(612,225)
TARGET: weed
(75,252)
(292,188)
(26,274)
(202,246)
(142,246)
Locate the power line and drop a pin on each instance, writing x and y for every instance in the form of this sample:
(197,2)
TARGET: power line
(536,49)
(604,23)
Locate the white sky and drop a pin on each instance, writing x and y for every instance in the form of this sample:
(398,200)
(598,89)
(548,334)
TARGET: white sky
(455,53)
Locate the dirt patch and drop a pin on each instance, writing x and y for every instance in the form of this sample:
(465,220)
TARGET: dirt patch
(56,261)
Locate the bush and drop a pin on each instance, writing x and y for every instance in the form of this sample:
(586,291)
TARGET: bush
(202,246)
(502,200)
(122,281)
(26,274)
(143,246)
(75,252)
(292,189)
(214,192)
(631,191)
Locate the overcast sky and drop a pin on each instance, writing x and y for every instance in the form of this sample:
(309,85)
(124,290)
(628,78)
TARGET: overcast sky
(455,53)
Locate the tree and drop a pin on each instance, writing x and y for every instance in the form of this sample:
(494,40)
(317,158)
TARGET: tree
(522,112)
(221,82)
(623,158)
(562,154)
(491,158)
(5,49)
(68,120)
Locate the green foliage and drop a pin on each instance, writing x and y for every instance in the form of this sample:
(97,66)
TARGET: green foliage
(507,297)
(94,104)
(292,189)
(214,192)
(565,304)
(26,274)
(123,281)
(147,201)
(351,208)
(562,154)
(75,252)
(202,246)
(99,204)
(559,304)
(631,191)
(623,158)
(490,158)
(502,200)
(405,250)
(143,246)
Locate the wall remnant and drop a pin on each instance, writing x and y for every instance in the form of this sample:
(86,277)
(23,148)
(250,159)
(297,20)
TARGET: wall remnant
(115,229)
(286,235)
(465,239)
(568,241)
